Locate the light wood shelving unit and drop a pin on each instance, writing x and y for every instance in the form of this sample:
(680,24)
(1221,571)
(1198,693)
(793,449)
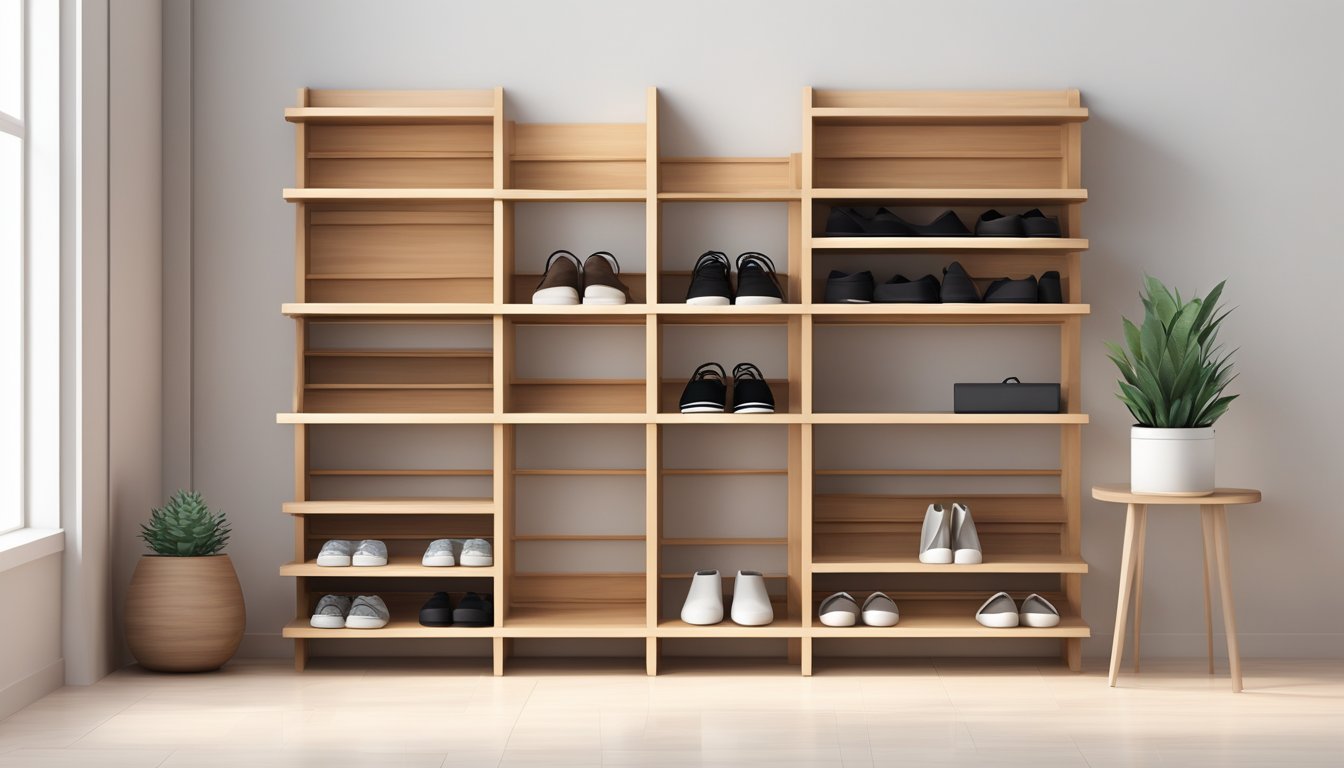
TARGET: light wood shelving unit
(405,215)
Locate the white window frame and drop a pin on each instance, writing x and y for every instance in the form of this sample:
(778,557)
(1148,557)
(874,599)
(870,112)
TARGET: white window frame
(39,533)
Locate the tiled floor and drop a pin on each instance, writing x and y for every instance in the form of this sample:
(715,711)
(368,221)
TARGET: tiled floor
(915,712)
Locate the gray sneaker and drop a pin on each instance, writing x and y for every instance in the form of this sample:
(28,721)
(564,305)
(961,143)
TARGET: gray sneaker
(367,612)
(439,553)
(370,552)
(477,552)
(330,612)
(336,552)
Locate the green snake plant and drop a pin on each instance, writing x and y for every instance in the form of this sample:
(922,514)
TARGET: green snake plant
(185,527)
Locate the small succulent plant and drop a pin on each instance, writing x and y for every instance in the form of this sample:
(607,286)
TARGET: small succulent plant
(185,527)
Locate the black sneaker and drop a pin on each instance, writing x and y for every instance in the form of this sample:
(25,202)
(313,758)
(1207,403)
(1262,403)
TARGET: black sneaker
(475,611)
(1037,224)
(751,393)
(756,280)
(948,224)
(1007,291)
(437,611)
(846,288)
(706,392)
(710,286)
(899,290)
(958,287)
(1051,291)
(994,224)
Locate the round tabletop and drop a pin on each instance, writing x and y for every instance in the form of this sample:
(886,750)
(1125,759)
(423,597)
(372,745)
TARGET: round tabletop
(1119,492)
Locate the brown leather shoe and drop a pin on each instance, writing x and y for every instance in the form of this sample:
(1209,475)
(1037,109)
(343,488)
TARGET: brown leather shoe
(560,283)
(601,284)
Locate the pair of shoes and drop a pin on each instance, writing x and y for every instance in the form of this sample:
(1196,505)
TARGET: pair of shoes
(858,288)
(1033,223)
(959,288)
(1000,612)
(472,553)
(339,552)
(340,612)
(842,610)
(601,280)
(949,538)
(704,600)
(757,282)
(881,222)
(474,610)
(707,391)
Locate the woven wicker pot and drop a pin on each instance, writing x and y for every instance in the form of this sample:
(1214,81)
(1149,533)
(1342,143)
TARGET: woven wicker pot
(184,614)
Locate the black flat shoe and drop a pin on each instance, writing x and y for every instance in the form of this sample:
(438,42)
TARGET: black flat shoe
(958,287)
(855,222)
(1006,291)
(751,393)
(437,611)
(707,391)
(475,611)
(1037,224)
(710,286)
(994,224)
(948,224)
(1051,291)
(843,288)
(899,290)
(757,282)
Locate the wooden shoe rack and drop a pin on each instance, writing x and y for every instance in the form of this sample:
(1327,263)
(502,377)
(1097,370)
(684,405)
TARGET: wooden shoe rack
(418,409)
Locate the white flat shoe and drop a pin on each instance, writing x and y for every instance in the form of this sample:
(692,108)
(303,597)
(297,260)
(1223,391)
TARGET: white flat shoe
(1036,611)
(751,603)
(704,600)
(935,538)
(839,610)
(370,552)
(998,612)
(965,541)
(335,553)
(880,611)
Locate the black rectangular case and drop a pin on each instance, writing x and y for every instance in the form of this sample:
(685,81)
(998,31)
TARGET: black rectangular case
(1009,396)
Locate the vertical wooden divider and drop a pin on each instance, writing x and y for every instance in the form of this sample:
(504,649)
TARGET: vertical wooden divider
(653,462)
(502,487)
(1070,354)
(300,358)
(653,536)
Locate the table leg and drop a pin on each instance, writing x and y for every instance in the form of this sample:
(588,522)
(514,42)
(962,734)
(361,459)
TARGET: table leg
(1219,513)
(1138,582)
(1132,518)
(1210,558)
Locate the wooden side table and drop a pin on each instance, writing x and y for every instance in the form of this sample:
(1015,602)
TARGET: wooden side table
(1213,519)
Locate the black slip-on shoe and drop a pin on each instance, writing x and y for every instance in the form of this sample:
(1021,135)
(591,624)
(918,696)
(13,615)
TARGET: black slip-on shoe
(751,393)
(899,290)
(859,222)
(948,224)
(848,288)
(437,611)
(1051,291)
(845,222)
(994,224)
(710,286)
(474,611)
(757,282)
(958,287)
(707,391)
(1037,224)
(1007,291)
(559,280)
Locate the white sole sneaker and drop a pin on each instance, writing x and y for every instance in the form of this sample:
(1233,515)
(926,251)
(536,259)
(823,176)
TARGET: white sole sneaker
(702,408)
(603,295)
(477,561)
(365,622)
(367,561)
(757,301)
(709,301)
(559,295)
(327,622)
(441,561)
(333,561)
(753,408)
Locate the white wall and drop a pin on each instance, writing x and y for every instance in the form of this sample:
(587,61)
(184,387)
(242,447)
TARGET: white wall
(31,664)
(1211,152)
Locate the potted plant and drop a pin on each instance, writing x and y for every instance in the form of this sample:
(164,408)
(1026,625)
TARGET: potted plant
(1174,373)
(184,609)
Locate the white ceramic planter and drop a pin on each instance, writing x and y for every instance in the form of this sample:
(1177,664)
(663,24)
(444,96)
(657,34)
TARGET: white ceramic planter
(1171,462)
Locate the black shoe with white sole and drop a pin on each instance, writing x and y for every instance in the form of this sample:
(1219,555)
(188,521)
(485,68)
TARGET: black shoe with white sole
(849,288)
(710,286)
(757,283)
(707,391)
(751,393)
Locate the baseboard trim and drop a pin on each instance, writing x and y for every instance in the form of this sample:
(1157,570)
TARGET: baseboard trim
(25,691)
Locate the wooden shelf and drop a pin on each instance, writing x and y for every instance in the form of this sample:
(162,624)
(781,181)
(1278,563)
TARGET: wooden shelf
(949,418)
(952,244)
(403,194)
(389,115)
(392,507)
(397,567)
(739,196)
(950,115)
(948,314)
(300,629)
(729,418)
(575,620)
(994,563)
(953,195)
(388,309)
(780,627)
(385,418)
(954,618)
(576,195)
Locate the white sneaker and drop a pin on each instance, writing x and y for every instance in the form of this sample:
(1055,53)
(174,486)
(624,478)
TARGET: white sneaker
(704,600)
(880,611)
(439,554)
(370,552)
(965,541)
(367,612)
(751,602)
(935,538)
(330,612)
(998,612)
(1036,611)
(476,553)
(335,552)
(839,610)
